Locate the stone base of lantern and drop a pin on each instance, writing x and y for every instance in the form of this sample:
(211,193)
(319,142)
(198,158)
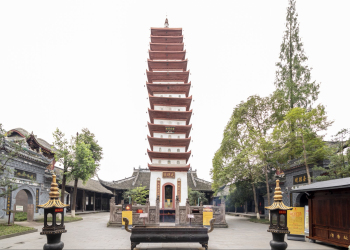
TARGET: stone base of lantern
(54,242)
(277,242)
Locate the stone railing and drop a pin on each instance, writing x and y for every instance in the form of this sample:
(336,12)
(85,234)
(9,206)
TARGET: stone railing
(181,214)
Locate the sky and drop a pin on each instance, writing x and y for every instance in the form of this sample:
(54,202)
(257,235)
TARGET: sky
(81,64)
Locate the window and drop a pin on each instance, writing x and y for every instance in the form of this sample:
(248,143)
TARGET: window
(178,136)
(161,108)
(161,122)
(161,95)
(178,162)
(169,136)
(179,95)
(170,122)
(161,136)
(169,108)
(169,162)
(169,95)
(160,149)
(178,109)
(159,161)
(178,123)
(178,150)
(169,150)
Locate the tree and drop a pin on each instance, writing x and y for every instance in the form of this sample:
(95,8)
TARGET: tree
(339,158)
(236,160)
(240,192)
(83,167)
(63,155)
(305,143)
(87,155)
(138,195)
(194,196)
(293,75)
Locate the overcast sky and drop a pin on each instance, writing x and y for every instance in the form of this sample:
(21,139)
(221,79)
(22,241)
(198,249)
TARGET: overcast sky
(76,64)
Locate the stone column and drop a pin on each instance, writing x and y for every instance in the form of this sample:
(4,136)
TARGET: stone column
(147,211)
(223,210)
(30,212)
(157,210)
(112,209)
(188,211)
(83,199)
(94,201)
(101,202)
(177,211)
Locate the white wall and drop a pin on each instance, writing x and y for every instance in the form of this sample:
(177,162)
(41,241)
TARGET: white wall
(169,122)
(165,161)
(153,187)
(166,149)
(170,108)
(169,95)
(166,135)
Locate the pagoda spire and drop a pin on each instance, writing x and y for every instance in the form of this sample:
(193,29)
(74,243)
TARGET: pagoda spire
(166,24)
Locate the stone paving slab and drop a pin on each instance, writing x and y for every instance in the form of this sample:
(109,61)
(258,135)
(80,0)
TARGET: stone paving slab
(93,233)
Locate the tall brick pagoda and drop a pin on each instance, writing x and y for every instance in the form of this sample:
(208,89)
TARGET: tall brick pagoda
(170,114)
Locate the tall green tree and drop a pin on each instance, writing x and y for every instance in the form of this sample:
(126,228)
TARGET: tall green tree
(339,158)
(239,161)
(83,167)
(293,76)
(87,155)
(63,155)
(305,142)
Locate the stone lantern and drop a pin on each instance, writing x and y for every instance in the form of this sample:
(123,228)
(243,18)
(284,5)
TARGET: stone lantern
(54,207)
(278,220)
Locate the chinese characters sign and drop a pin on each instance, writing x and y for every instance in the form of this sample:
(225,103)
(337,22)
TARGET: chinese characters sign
(300,179)
(179,189)
(169,129)
(295,221)
(168,174)
(25,175)
(158,187)
(37,200)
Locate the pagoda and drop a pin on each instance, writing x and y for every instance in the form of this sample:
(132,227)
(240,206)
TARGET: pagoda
(170,114)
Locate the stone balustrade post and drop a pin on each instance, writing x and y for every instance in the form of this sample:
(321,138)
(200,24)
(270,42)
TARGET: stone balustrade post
(177,211)
(157,210)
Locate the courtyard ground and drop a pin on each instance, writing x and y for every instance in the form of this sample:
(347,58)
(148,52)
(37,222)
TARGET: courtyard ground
(92,233)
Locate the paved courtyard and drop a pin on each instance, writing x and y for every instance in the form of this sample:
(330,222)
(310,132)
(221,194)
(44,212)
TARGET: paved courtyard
(92,233)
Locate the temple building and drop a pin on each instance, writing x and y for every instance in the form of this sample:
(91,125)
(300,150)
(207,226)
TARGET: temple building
(169,174)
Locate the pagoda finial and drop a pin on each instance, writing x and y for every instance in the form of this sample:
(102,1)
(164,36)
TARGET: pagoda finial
(166,24)
(54,195)
(278,192)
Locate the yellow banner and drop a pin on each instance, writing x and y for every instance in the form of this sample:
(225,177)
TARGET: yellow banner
(207,216)
(127,214)
(295,221)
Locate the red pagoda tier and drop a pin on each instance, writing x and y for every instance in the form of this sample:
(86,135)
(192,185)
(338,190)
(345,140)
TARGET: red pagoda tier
(170,112)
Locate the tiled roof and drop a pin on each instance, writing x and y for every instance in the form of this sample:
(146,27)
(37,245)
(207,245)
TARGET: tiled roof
(90,185)
(138,178)
(143,177)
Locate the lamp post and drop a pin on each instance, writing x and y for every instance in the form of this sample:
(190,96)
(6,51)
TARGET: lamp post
(54,231)
(198,200)
(278,221)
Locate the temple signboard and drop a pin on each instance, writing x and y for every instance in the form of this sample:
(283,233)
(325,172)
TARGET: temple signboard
(24,174)
(169,175)
(179,189)
(301,179)
(158,187)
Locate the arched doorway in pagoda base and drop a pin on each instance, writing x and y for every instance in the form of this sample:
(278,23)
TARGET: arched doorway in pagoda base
(167,213)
